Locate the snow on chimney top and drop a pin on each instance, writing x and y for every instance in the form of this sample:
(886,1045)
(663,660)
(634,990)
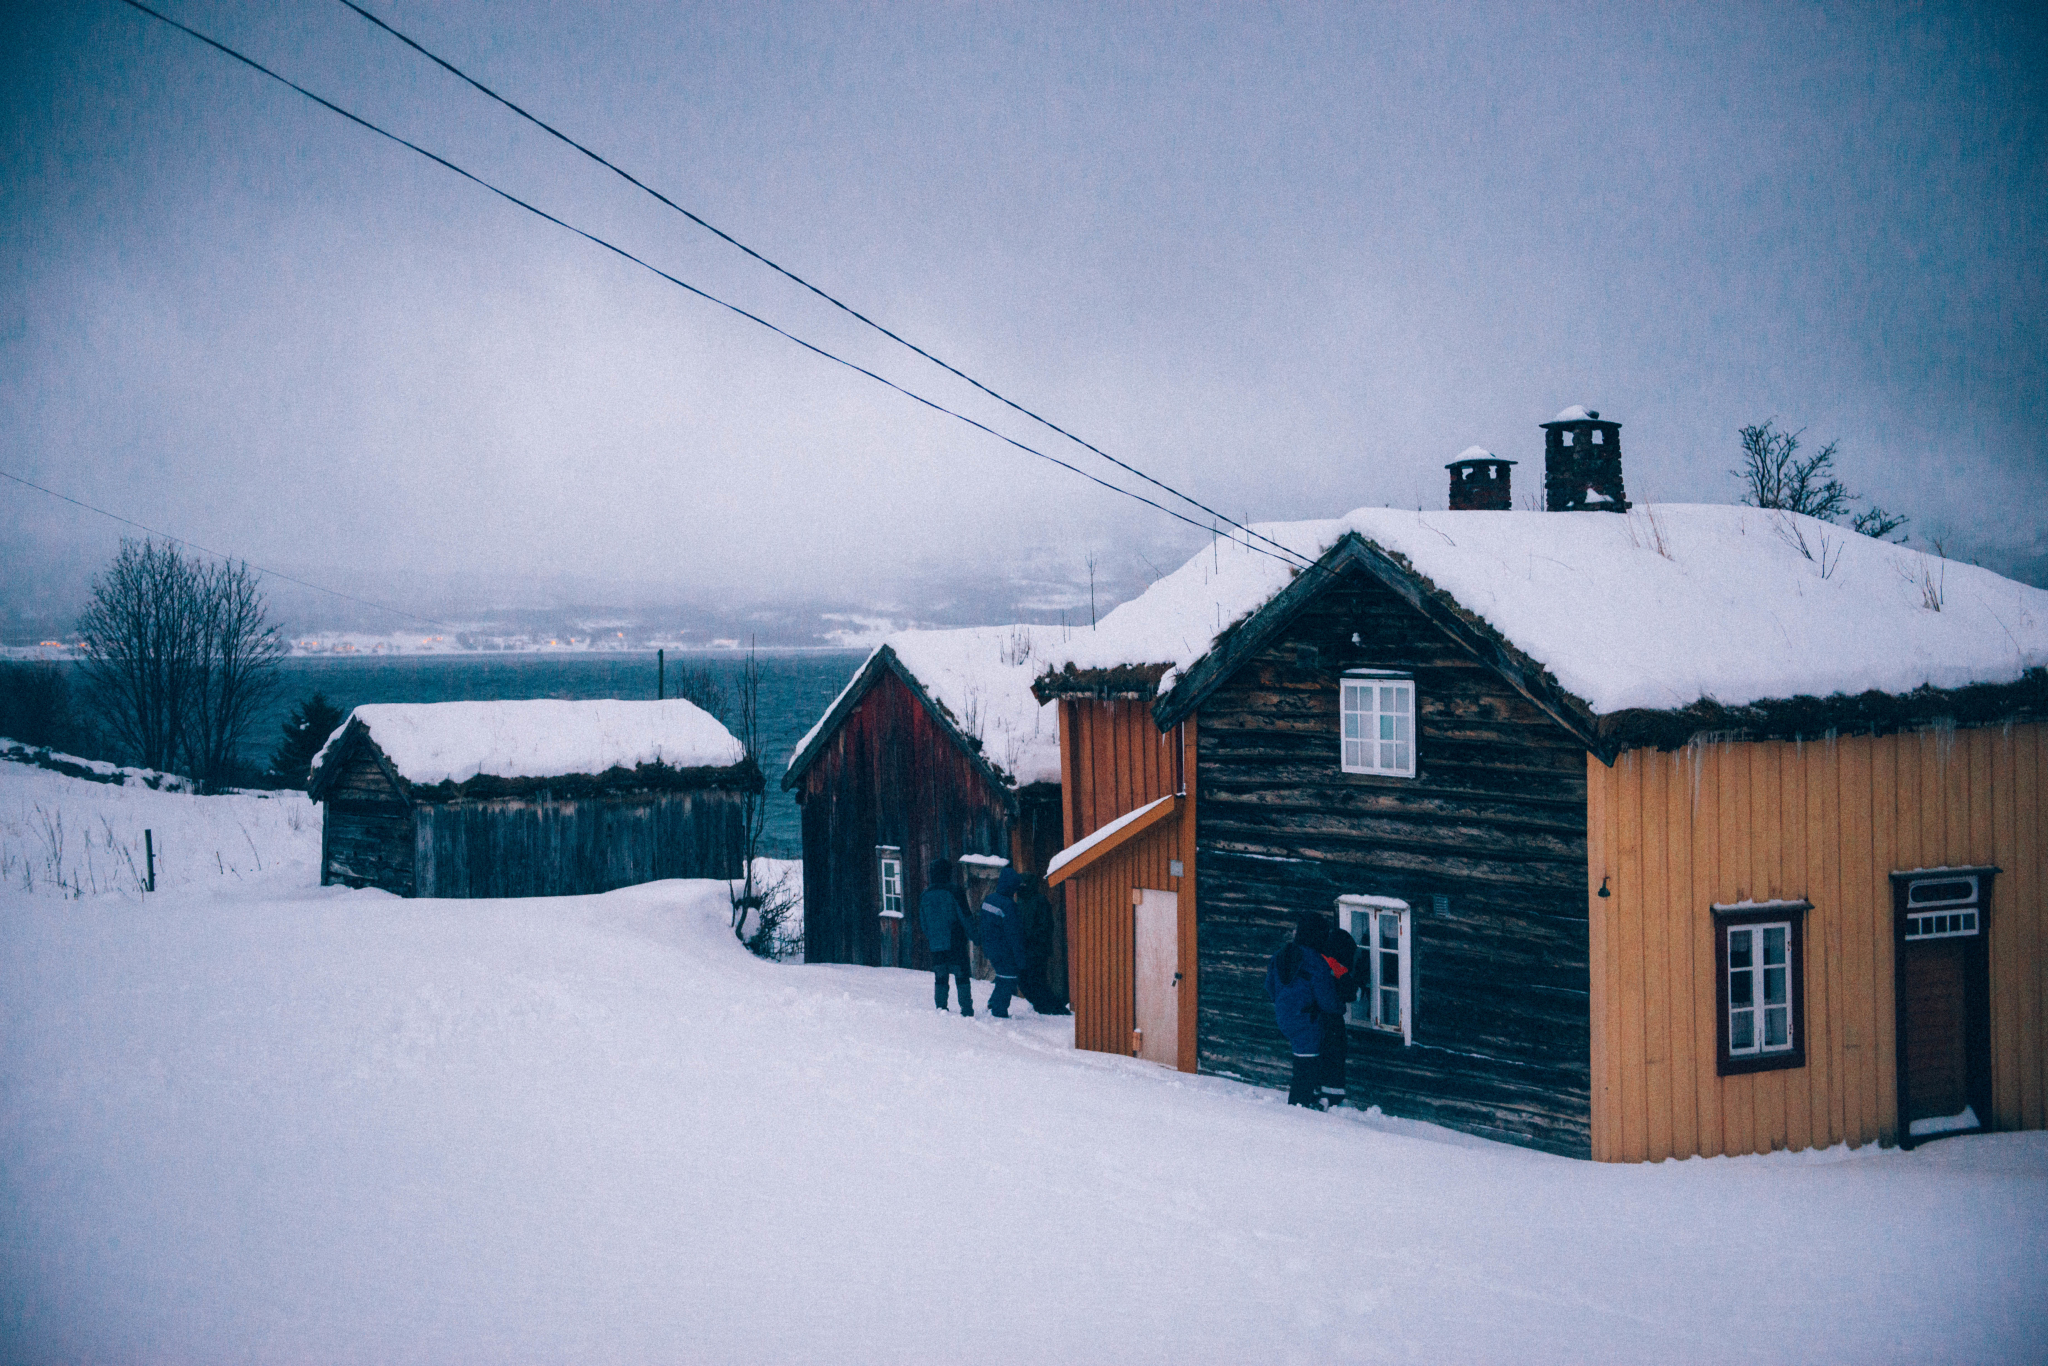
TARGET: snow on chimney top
(1480,482)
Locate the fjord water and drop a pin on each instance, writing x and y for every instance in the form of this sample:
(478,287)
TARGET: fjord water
(795,690)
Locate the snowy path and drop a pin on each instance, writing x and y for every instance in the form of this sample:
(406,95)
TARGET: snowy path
(267,1122)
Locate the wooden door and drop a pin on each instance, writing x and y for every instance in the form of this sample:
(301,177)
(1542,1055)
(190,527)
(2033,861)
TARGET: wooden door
(1937,1058)
(1156,949)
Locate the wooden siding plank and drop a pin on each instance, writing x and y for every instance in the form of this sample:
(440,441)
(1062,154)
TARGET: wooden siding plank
(1628,899)
(1705,782)
(1794,1087)
(1737,789)
(1823,861)
(1983,796)
(1893,773)
(1858,1000)
(1677,816)
(1605,1116)
(2030,818)
(1656,903)
(1185,888)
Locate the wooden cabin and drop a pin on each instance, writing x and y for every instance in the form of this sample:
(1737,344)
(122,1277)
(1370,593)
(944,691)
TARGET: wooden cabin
(934,749)
(1684,830)
(534,798)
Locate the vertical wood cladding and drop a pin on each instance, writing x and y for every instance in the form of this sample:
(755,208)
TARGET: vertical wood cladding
(548,846)
(1494,823)
(1827,822)
(1123,761)
(534,845)
(888,775)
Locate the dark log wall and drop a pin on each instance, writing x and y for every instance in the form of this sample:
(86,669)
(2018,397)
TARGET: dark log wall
(546,846)
(888,775)
(1494,823)
(367,830)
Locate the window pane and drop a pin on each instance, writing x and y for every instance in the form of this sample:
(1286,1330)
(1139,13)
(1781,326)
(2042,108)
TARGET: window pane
(1401,724)
(1777,1024)
(1386,754)
(1774,986)
(1741,1031)
(1354,754)
(1387,699)
(1390,1008)
(1400,763)
(1390,930)
(1738,948)
(1351,725)
(1739,988)
(1386,727)
(1774,944)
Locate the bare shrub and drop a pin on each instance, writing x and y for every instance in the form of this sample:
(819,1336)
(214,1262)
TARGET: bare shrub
(1774,475)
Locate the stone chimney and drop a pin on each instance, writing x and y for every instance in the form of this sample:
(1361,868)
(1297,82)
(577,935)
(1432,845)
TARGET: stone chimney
(1479,482)
(1582,463)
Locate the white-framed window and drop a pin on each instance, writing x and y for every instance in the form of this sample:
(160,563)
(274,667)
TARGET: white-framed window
(1384,929)
(1378,718)
(890,860)
(1759,989)
(1759,966)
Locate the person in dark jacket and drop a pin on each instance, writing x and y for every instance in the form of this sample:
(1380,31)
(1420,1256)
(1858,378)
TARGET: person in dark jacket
(1340,951)
(1002,939)
(1303,993)
(944,916)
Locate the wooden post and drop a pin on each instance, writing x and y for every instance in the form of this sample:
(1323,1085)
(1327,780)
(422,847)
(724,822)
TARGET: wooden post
(660,674)
(149,856)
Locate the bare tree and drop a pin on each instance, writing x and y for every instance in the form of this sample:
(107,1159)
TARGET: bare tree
(179,655)
(1775,476)
(237,669)
(141,639)
(754,812)
(699,684)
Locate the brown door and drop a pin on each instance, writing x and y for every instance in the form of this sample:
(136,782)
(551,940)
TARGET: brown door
(1937,1059)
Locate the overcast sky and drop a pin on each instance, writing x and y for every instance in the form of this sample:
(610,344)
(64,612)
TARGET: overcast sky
(1290,259)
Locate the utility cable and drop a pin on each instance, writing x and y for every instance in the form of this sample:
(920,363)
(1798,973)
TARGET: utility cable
(791,275)
(621,252)
(223,555)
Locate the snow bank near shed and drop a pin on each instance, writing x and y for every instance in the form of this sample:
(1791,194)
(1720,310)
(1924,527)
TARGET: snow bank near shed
(435,742)
(1659,608)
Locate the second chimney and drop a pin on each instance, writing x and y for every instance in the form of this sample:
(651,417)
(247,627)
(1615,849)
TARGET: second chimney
(1479,482)
(1582,463)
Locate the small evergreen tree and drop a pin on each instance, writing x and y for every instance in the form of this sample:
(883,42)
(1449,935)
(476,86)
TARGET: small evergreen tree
(312,722)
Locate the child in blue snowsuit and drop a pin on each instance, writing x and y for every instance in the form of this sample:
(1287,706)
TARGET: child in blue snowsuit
(1002,939)
(1304,995)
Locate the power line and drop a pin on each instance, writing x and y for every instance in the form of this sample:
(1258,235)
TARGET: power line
(621,252)
(791,275)
(223,555)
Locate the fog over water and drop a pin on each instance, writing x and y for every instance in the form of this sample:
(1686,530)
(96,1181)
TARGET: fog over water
(1292,260)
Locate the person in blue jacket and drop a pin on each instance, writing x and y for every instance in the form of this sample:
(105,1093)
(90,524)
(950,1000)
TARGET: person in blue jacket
(1002,939)
(1304,994)
(946,930)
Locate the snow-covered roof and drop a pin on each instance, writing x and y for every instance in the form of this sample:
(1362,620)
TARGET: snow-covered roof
(429,743)
(1575,413)
(982,676)
(1475,453)
(1657,608)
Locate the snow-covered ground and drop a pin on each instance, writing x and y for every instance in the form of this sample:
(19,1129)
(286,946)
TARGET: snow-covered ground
(251,1119)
